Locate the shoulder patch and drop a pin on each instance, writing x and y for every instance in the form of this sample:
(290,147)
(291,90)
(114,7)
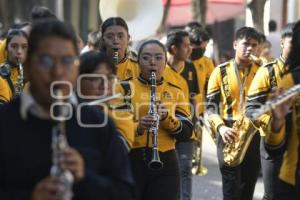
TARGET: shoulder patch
(5,70)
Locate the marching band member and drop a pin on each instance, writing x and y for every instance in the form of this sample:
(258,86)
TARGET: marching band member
(95,158)
(285,122)
(227,88)
(178,45)
(10,72)
(96,63)
(265,81)
(204,65)
(174,122)
(115,41)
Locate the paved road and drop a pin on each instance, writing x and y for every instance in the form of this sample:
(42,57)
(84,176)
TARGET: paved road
(209,187)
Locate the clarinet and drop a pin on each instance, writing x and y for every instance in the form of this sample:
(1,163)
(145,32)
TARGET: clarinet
(115,57)
(59,143)
(155,162)
(271,104)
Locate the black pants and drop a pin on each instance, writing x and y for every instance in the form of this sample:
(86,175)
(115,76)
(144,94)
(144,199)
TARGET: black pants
(286,191)
(238,183)
(270,165)
(155,184)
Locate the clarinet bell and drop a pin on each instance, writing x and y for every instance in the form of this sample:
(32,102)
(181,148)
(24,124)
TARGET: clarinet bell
(155,163)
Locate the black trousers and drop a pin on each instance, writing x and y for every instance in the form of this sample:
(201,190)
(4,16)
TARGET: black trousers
(238,183)
(155,184)
(285,191)
(270,165)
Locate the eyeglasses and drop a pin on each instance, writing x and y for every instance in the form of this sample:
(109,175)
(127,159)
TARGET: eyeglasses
(48,62)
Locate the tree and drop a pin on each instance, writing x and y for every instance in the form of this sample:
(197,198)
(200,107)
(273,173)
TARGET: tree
(199,9)
(257,9)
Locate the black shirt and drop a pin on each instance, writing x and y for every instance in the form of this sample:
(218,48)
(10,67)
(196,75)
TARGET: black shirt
(26,154)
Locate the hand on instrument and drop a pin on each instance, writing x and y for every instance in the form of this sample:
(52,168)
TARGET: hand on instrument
(72,160)
(228,134)
(48,188)
(145,123)
(162,111)
(280,111)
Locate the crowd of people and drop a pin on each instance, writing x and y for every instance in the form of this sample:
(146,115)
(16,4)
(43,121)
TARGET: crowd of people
(102,121)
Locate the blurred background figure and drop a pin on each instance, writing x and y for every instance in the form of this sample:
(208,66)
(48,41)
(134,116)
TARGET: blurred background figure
(93,42)
(274,38)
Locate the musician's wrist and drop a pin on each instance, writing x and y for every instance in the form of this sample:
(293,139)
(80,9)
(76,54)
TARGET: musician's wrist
(139,131)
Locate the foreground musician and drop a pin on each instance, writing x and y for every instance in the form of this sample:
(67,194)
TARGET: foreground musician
(11,80)
(159,184)
(96,158)
(265,81)
(286,122)
(227,88)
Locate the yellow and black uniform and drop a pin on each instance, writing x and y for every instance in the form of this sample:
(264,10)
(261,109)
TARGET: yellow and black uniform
(162,184)
(8,79)
(226,92)
(204,67)
(175,78)
(265,81)
(3,52)
(289,175)
(121,115)
(127,68)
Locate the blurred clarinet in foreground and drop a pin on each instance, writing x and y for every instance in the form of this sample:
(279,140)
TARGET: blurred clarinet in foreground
(59,143)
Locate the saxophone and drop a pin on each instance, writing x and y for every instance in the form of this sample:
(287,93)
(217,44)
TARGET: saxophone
(20,81)
(234,152)
(59,143)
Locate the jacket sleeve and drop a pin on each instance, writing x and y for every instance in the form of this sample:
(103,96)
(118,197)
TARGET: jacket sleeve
(116,182)
(214,99)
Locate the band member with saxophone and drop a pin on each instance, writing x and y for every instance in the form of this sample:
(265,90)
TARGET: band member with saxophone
(226,92)
(95,157)
(285,120)
(11,71)
(179,48)
(115,43)
(98,80)
(265,81)
(153,157)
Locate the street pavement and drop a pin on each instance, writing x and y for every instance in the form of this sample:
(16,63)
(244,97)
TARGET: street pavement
(209,187)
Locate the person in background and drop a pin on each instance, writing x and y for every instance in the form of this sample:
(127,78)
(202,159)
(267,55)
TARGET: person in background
(226,95)
(263,85)
(98,80)
(93,42)
(11,78)
(115,43)
(274,38)
(284,126)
